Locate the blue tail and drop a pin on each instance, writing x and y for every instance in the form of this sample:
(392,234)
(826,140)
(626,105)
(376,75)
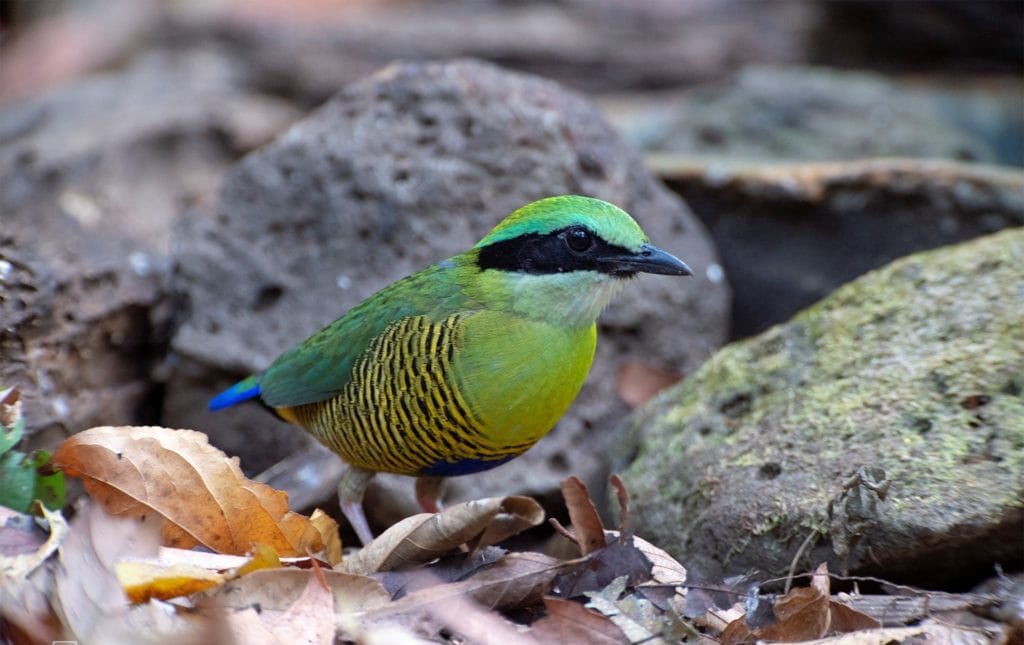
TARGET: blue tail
(241,391)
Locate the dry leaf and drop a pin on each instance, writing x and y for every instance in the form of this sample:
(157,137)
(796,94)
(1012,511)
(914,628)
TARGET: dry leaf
(640,620)
(517,580)
(803,614)
(622,495)
(638,382)
(329,536)
(89,598)
(203,495)
(423,537)
(570,622)
(25,584)
(600,568)
(847,619)
(468,622)
(309,618)
(586,523)
(276,590)
(23,551)
(10,406)
(142,580)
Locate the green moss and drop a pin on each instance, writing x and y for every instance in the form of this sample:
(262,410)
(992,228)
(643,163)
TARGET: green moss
(916,368)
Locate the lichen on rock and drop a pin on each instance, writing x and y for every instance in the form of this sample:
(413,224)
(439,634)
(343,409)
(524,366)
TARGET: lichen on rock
(915,370)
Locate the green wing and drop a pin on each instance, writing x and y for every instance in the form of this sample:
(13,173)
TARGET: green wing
(319,367)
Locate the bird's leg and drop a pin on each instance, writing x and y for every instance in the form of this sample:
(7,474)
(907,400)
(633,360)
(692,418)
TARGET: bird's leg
(351,487)
(429,490)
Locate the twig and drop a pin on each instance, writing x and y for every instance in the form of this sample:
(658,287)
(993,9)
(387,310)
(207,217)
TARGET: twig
(799,554)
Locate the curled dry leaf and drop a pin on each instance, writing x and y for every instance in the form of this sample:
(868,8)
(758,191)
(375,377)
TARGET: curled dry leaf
(665,570)
(586,523)
(10,407)
(423,537)
(24,584)
(201,493)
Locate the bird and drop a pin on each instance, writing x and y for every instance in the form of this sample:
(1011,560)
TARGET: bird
(468,363)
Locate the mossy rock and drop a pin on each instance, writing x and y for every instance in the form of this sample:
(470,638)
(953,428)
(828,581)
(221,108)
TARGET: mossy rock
(912,374)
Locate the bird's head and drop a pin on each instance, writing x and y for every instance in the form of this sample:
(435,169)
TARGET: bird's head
(568,256)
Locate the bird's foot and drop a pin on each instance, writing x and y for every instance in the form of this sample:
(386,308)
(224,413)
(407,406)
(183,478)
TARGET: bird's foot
(429,490)
(351,488)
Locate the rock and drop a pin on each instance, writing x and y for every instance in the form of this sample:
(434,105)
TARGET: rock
(90,177)
(81,318)
(912,375)
(775,113)
(404,168)
(789,234)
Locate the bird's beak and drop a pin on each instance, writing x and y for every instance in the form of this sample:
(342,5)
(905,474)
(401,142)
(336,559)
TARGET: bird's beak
(650,259)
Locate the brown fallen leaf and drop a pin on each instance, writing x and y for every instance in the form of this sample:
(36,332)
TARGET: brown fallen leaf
(275,591)
(637,382)
(570,622)
(143,580)
(89,599)
(10,406)
(423,537)
(178,572)
(802,614)
(586,523)
(201,493)
(515,581)
(25,583)
(309,618)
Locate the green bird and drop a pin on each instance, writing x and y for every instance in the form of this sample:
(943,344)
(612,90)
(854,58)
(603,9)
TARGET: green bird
(468,363)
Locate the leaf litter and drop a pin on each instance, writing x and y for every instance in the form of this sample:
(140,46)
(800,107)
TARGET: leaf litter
(177,545)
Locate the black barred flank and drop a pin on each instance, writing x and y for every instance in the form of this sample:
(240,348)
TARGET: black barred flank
(401,411)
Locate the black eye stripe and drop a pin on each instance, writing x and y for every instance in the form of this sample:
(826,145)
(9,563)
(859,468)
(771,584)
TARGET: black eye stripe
(551,253)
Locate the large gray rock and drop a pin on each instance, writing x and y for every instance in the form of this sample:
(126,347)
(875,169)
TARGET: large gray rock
(90,177)
(773,113)
(912,374)
(398,171)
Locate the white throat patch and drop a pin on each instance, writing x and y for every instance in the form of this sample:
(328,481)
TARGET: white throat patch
(574,299)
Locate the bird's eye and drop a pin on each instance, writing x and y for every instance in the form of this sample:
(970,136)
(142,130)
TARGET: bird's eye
(578,239)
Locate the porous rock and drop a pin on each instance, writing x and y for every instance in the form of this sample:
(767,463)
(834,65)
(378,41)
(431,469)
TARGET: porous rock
(409,166)
(90,177)
(794,113)
(881,430)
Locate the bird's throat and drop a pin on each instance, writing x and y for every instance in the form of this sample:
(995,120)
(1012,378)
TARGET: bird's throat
(573,299)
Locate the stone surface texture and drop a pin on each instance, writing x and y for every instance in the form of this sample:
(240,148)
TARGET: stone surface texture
(90,178)
(913,374)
